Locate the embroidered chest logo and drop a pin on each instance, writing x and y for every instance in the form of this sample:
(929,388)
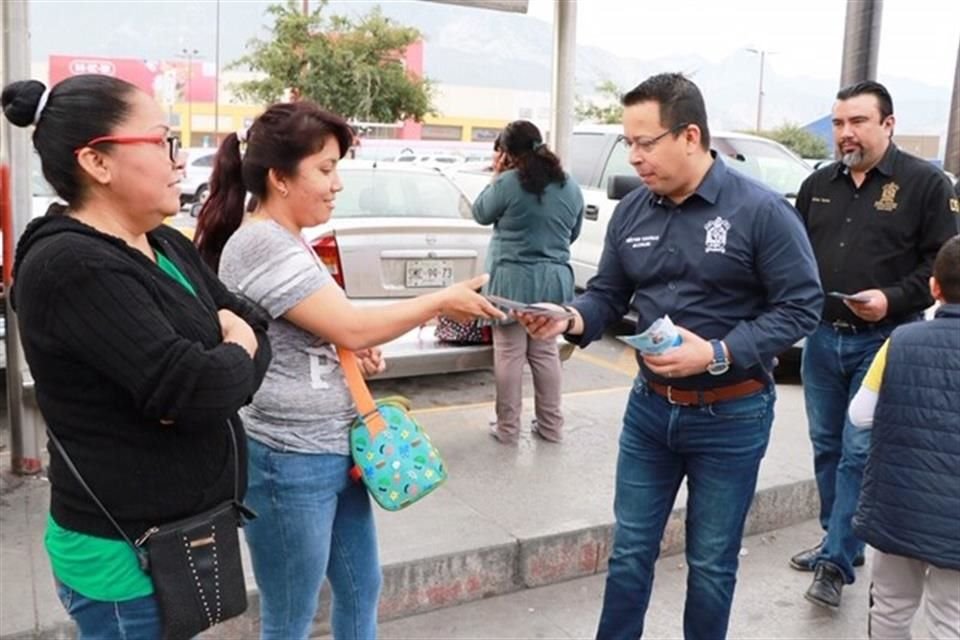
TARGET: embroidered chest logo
(888,197)
(716,235)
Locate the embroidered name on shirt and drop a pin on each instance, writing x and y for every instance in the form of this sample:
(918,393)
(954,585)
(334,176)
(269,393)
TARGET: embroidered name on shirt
(820,200)
(642,242)
(888,195)
(716,241)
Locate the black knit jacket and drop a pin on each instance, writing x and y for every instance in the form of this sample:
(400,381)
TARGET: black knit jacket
(117,349)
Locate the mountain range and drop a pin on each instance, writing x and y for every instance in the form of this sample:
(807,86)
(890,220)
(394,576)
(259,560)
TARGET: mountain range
(464,46)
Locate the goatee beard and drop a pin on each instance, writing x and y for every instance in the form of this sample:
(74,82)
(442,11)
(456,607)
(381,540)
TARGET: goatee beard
(852,159)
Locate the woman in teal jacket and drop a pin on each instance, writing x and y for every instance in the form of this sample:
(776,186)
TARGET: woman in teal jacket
(536,211)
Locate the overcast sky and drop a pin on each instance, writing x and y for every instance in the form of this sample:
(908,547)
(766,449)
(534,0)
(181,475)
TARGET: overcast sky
(919,38)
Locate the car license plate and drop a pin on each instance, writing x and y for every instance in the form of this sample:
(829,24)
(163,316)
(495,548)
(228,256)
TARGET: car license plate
(429,273)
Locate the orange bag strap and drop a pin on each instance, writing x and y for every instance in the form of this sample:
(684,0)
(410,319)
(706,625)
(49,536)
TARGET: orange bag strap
(360,392)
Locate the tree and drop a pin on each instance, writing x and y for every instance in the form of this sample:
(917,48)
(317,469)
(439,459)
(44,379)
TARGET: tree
(801,142)
(609,111)
(353,68)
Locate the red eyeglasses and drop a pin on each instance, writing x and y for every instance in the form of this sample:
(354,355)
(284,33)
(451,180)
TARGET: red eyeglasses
(172,142)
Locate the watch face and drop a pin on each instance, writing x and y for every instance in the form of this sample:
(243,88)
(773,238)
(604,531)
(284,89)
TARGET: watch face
(717,368)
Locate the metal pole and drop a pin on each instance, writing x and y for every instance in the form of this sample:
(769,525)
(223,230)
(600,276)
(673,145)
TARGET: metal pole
(861,41)
(190,93)
(564,68)
(216,82)
(24,417)
(951,160)
(763,56)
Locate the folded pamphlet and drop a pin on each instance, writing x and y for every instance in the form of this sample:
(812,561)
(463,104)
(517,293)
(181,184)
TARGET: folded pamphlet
(660,337)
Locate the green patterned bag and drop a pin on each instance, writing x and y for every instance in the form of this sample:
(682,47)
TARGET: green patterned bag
(392,453)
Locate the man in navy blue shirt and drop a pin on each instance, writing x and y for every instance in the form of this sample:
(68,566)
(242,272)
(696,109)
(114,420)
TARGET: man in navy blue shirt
(729,261)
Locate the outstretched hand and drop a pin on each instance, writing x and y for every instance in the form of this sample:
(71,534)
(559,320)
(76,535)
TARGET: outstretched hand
(461,302)
(540,326)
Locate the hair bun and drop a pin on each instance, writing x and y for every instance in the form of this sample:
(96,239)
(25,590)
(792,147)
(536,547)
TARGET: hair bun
(20,101)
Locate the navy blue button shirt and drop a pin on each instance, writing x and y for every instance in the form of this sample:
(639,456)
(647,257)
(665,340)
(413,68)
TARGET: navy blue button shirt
(732,262)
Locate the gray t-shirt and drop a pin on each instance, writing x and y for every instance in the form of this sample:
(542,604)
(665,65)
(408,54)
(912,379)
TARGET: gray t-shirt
(304,404)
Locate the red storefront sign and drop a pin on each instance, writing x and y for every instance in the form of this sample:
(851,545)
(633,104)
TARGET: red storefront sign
(168,81)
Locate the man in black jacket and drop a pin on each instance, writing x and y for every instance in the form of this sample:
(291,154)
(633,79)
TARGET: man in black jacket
(875,219)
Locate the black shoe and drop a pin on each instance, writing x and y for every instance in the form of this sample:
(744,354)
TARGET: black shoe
(806,560)
(827,586)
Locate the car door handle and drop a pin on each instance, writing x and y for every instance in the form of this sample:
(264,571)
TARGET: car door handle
(592,212)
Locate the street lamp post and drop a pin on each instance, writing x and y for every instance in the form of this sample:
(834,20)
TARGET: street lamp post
(216,95)
(189,54)
(763,58)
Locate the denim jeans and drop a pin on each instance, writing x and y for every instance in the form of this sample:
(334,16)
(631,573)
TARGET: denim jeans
(718,448)
(137,619)
(313,521)
(832,369)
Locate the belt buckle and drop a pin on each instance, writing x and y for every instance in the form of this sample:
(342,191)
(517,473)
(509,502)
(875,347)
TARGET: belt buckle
(670,395)
(843,325)
(676,403)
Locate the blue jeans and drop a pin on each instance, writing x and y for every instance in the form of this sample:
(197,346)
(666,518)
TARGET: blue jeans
(313,521)
(832,369)
(137,619)
(718,448)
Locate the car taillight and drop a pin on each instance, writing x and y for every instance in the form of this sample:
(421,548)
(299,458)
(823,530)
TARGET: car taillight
(328,252)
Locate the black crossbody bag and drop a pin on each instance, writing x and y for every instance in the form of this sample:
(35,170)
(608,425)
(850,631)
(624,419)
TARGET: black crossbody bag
(194,563)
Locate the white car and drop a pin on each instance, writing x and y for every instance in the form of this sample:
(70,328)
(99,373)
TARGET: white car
(195,183)
(596,157)
(398,231)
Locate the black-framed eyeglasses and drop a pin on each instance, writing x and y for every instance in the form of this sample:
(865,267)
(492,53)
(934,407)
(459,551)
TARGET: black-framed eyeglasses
(172,142)
(647,144)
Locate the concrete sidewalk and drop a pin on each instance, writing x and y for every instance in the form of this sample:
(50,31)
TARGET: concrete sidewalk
(768,603)
(509,518)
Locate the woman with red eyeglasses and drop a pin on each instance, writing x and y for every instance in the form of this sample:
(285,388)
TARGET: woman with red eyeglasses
(141,357)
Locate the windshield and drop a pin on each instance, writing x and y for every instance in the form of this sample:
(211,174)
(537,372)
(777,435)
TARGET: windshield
(369,193)
(768,163)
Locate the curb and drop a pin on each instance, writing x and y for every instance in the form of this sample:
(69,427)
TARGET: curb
(427,584)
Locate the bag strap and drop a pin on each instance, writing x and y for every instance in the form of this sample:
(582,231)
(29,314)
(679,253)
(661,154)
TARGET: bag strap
(360,392)
(141,554)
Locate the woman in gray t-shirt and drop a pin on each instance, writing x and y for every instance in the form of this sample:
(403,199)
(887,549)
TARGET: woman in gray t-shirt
(314,522)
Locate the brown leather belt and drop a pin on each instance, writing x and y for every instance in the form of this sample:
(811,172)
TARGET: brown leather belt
(698,397)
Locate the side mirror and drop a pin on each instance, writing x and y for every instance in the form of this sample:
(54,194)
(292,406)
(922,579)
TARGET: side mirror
(619,186)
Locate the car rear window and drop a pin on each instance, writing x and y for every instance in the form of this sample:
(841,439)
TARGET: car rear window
(585,151)
(399,194)
(768,163)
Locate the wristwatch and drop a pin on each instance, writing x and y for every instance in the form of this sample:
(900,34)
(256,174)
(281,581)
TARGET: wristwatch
(719,365)
(573,319)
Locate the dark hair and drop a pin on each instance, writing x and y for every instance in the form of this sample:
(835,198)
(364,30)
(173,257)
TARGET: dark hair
(278,139)
(679,99)
(78,110)
(536,165)
(946,270)
(873,88)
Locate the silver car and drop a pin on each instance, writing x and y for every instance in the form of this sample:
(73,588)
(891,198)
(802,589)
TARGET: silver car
(400,231)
